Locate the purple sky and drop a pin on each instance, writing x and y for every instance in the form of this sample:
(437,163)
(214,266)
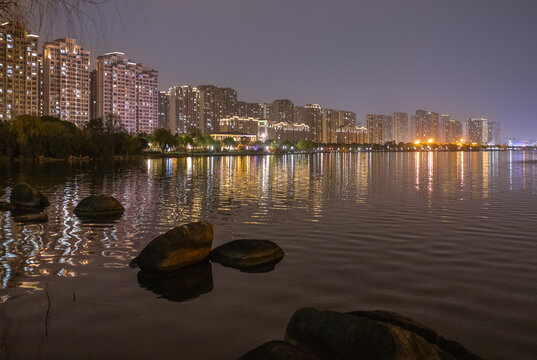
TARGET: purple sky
(467,58)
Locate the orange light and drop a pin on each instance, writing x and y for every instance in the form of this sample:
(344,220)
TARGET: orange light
(430,141)
(417,142)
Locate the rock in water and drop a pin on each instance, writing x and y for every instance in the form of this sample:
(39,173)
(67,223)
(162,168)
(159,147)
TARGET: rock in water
(31,218)
(248,255)
(187,283)
(182,246)
(450,346)
(278,350)
(99,206)
(23,196)
(332,335)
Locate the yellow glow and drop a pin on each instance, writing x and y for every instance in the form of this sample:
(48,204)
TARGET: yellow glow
(417,142)
(430,141)
(462,140)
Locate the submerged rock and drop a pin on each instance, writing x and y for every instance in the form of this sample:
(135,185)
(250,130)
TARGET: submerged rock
(332,335)
(187,283)
(23,196)
(248,255)
(99,206)
(31,218)
(182,246)
(278,350)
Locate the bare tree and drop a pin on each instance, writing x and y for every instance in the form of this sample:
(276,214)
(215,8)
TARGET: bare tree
(42,13)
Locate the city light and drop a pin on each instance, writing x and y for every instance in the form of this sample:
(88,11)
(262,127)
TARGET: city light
(430,141)
(417,142)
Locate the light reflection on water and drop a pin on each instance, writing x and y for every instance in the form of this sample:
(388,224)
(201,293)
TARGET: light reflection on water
(447,238)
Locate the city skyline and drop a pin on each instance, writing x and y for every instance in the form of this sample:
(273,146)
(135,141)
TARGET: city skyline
(466,59)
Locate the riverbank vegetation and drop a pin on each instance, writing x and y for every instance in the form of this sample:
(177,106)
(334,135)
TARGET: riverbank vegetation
(33,137)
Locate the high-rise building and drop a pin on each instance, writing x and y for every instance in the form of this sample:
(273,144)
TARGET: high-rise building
(19,79)
(245,109)
(266,111)
(478,130)
(66,75)
(128,90)
(313,117)
(483,131)
(215,103)
(400,127)
(184,108)
(282,111)
(426,125)
(454,133)
(379,128)
(93,94)
(163,110)
(146,99)
(443,128)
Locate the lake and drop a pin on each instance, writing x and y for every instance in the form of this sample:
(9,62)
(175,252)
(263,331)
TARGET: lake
(446,238)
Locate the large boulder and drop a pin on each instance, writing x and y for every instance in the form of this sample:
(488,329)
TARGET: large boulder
(187,283)
(182,246)
(450,346)
(333,335)
(23,196)
(278,350)
(248,255)
(99,206)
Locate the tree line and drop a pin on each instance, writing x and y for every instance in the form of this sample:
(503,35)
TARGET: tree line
(32,137)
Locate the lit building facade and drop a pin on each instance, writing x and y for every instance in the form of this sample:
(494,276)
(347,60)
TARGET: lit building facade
(239,125)
(401,131)
(19,72)
(483,131)
(163,110)
(351,134)
(426,125)
(184,108)
(287,131)
(215,103)
(245,109)
(66,78)
(128,90)
(282,111)
(379,128)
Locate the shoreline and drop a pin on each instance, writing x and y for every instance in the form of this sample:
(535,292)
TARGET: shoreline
(156,155)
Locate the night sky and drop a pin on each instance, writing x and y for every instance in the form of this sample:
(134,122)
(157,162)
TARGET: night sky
(468,58)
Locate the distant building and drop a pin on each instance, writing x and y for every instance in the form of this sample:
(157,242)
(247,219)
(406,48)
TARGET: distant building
(239,125)
(128,90)
(282,110)
(478,130)
(215,104)
(379,128)
(245,109)
(93,94)
(286,131)
(19,79)
(313,117)
(163,110)
(401,130)
(184,108)
(351,134)
(426,125)
(266,111)
(66,75)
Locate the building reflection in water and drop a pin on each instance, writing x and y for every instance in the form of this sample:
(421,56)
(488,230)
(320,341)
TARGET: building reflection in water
(232,190)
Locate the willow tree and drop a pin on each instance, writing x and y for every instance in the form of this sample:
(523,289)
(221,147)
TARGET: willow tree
(41,13)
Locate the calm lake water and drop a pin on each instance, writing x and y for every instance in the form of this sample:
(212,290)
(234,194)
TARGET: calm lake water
(448,239)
